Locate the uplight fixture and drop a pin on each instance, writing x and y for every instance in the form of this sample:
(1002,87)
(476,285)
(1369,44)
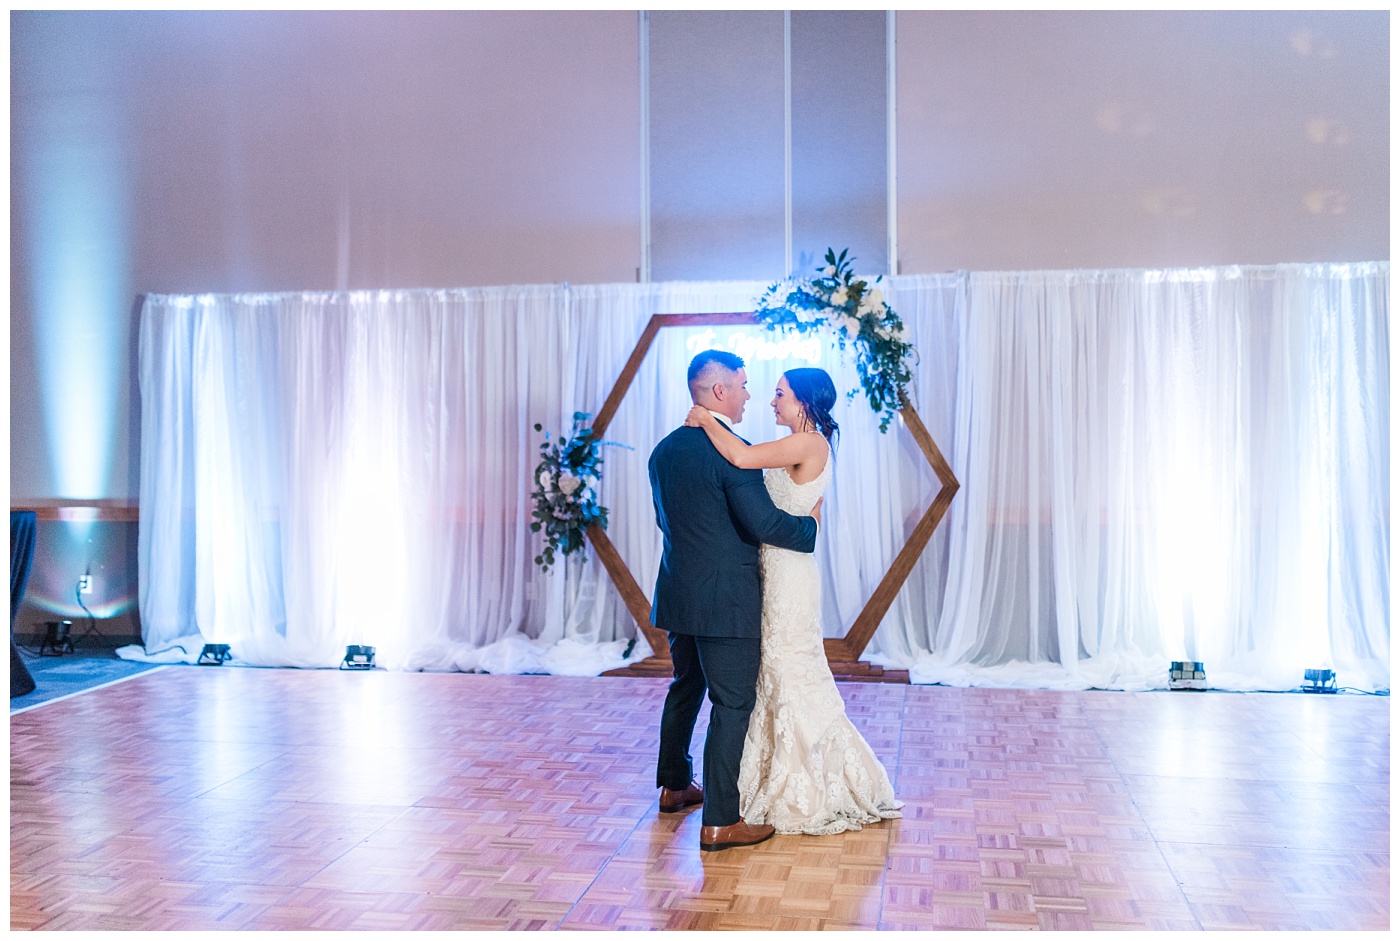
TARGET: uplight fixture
(1187,674)
(214,655)
(358,657)
(1319,681)
(56,641)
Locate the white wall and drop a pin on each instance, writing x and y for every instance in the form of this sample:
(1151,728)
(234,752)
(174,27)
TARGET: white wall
(1093,140)
(215,152)
(194,152)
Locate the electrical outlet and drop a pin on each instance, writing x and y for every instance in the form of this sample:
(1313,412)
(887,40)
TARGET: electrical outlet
(85,585)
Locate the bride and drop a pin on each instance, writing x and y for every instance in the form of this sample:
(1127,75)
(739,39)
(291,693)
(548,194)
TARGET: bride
(805,767)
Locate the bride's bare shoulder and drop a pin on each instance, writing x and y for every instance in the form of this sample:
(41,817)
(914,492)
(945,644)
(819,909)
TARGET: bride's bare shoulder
(816,450)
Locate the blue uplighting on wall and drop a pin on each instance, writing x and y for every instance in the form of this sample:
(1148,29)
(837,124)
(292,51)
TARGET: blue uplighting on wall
(73,193)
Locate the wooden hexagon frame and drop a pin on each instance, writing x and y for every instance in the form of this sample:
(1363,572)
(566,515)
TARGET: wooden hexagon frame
(842,653)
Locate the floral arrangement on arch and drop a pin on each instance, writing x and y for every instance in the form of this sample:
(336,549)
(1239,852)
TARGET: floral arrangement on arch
(566,491)
(855,311)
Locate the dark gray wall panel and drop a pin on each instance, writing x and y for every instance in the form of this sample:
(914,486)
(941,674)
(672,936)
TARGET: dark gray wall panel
(716,142)
(839,193)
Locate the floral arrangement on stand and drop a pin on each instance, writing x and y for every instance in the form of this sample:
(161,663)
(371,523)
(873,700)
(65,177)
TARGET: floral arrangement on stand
(566,491)
(854,311)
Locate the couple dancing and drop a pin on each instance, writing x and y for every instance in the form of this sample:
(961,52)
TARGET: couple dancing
(744,619)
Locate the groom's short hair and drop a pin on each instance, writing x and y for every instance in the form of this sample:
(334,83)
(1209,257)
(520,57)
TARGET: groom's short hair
(708,366)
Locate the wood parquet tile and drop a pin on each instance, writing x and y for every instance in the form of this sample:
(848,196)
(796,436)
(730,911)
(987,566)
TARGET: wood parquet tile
(319,800)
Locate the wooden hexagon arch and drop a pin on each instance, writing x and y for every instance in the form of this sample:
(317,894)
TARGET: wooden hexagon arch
(842,653)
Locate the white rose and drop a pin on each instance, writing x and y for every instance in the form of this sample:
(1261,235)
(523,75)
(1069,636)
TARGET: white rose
(838,299)
(546,479)
(849,324)
(875,299)
(568,484)
(877,310)
(828,271)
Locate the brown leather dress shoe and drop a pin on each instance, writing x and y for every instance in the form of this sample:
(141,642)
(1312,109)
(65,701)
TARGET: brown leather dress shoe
(675,801)
(736,834)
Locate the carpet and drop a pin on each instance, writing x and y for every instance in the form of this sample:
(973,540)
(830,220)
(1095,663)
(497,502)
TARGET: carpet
(85,669)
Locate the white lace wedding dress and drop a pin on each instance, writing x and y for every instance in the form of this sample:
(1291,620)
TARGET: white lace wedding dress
(805,768)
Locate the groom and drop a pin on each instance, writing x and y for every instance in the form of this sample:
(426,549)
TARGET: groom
(712,517)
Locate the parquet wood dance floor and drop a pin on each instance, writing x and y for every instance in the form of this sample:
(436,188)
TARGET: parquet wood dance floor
(201,798)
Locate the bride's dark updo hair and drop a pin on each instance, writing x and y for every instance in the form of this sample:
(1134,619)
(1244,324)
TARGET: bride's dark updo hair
(816,393)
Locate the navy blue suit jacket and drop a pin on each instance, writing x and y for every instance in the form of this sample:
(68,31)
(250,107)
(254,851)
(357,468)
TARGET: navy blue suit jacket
(713,516)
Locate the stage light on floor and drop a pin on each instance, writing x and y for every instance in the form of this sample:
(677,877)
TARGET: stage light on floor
(358,657)
(56,641)
(1319,681)
(1187,674)
(214,655)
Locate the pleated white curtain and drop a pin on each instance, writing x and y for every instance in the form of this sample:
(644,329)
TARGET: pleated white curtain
(1155,466)
(321,470)
(1169,465)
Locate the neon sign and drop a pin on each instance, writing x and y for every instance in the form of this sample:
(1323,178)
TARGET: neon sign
(751,348)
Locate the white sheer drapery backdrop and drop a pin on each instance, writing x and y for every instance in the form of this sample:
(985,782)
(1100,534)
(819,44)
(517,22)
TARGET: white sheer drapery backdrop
(1155,465)
(1169,465)
(329,469)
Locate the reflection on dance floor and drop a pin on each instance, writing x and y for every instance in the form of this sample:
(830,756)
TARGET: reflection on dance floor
(197,798)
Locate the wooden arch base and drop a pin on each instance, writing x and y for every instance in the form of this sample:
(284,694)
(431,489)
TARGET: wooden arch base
(842,653)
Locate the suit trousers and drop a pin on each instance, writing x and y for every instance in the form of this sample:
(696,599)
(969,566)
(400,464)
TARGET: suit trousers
(728,668)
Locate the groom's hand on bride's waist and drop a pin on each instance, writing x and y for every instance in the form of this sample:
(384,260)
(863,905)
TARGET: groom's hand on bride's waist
(816,513)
